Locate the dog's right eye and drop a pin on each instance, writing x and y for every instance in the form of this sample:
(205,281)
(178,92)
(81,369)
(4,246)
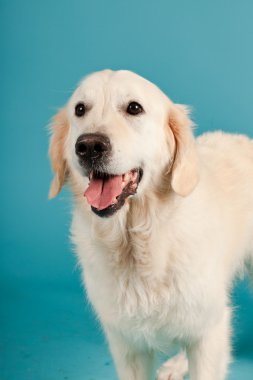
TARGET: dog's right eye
(80,109)
(134,108)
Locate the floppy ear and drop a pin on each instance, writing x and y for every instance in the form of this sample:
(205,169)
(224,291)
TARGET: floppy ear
(59,128)
(185,166)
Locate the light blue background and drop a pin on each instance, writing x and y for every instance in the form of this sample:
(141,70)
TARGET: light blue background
(199,52)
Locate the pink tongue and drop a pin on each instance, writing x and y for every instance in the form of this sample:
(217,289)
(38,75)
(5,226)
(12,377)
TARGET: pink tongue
(101,194)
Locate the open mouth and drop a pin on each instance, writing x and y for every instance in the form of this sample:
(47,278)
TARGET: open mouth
(107,193)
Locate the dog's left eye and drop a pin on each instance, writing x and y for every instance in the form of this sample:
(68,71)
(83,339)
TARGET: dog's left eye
(134,108)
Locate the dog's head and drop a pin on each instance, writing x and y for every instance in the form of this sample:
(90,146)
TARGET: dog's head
(117,137)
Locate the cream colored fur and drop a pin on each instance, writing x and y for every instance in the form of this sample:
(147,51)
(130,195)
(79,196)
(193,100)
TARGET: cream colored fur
(159,272)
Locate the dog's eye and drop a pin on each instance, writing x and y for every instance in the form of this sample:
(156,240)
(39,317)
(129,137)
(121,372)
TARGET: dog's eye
(134,108)
(80,109)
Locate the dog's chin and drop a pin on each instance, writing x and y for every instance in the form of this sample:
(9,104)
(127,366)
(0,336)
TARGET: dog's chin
(110,210)
(107,193)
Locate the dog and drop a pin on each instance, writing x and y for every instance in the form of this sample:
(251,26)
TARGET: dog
(162,223)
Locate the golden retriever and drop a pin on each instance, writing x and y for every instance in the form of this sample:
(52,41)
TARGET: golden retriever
(162,223)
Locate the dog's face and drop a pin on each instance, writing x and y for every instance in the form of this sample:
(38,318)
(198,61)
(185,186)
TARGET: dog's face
(117,136)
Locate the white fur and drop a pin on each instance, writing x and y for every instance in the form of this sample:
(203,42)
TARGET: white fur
(158,272)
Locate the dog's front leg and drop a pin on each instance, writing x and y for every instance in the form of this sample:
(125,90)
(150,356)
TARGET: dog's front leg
(130,363)
(209,356)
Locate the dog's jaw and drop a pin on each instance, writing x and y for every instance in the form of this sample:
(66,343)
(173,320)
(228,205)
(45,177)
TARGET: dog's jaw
(107,193)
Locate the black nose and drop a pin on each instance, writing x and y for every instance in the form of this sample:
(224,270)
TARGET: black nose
(92,146)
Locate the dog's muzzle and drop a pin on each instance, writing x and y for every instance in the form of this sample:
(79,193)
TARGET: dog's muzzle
(106,192)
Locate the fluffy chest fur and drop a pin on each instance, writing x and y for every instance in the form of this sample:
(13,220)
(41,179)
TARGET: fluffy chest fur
(136,279)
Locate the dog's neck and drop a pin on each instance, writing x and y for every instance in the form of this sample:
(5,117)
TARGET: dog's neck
(129,236)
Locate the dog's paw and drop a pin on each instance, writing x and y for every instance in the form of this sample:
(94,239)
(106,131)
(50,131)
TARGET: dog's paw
(174,369)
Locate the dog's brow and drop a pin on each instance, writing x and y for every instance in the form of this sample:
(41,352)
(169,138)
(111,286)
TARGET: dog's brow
(106,98)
